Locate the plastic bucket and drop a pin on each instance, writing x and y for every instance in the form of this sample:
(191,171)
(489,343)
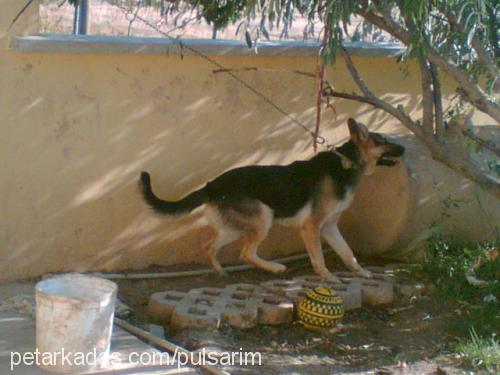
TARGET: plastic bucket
(74,320)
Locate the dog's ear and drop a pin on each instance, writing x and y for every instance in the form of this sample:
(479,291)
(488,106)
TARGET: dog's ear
(359,132)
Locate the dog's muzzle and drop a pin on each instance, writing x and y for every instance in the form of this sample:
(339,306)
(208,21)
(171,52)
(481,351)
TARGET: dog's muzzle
(392,152)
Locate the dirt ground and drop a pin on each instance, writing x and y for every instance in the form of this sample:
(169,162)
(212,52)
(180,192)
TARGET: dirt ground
(406,337)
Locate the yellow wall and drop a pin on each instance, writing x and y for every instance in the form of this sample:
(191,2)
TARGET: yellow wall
(76,130)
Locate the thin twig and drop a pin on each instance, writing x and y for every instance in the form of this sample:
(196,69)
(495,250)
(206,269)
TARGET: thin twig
(134,17)
(19,14)
(487,145)
(254,68)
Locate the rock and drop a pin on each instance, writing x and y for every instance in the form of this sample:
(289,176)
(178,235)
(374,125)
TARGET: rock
(122,310)
(410,290)
(156,331)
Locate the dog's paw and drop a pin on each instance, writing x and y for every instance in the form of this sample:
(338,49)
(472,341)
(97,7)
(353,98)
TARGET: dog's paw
(278,268)
(330,277)
(222,272)
(365,273)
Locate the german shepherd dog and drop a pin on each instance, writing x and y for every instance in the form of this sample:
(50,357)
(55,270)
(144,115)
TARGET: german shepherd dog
(312,194)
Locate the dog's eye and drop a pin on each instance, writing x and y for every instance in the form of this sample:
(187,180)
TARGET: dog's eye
(379,140)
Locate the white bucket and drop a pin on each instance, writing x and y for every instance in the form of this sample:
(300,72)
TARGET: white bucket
(74,314)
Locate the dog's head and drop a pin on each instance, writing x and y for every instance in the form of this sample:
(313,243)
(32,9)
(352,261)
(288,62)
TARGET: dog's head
(374,148)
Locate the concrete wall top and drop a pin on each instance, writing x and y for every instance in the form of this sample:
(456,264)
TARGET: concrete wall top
(123,44)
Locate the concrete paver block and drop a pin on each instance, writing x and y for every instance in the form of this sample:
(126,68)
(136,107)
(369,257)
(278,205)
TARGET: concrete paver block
(275,309)
(296,288)
(377,290)
(354,289)
(271,302)
(188,314)
(238,305)
(162,304)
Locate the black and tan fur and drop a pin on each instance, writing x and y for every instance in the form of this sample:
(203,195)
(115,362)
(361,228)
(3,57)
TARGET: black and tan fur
(310,195)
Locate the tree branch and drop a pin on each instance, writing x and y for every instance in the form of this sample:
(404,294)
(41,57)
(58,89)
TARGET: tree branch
(354,73)
(19,14)
(370,98)
(425,74)
(474,93)
(427,95)
(485,58)
(439,151)
(438,100)
(455,160)
(487,145)
(445,155)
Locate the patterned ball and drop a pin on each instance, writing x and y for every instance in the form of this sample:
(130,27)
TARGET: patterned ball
(320,309)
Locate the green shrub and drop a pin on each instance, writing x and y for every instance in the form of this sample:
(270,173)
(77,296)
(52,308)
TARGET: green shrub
(446,268)
(481,352)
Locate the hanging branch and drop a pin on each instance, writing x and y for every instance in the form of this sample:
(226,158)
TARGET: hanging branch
(370,98)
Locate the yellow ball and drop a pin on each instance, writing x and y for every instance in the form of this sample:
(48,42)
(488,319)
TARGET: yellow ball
(320,309)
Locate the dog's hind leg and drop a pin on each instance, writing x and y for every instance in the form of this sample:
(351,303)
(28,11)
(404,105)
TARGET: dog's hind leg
(221,235)
(217,240)
(256,229)
(334,238)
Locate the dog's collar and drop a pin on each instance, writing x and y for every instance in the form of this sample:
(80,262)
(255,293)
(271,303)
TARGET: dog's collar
(346,162)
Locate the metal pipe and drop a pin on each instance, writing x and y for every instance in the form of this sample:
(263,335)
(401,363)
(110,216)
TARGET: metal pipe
(82,10)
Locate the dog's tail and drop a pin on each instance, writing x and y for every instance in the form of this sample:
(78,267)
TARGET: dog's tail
(185,205)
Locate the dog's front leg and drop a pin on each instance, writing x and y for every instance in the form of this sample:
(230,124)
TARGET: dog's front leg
(331,233)
(310,232)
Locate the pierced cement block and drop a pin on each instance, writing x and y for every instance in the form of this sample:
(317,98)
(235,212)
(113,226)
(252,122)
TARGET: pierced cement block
(354,289)
(274,309)
(188,314)
(377,290)
(296,288)
(239,305)
(162,304)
